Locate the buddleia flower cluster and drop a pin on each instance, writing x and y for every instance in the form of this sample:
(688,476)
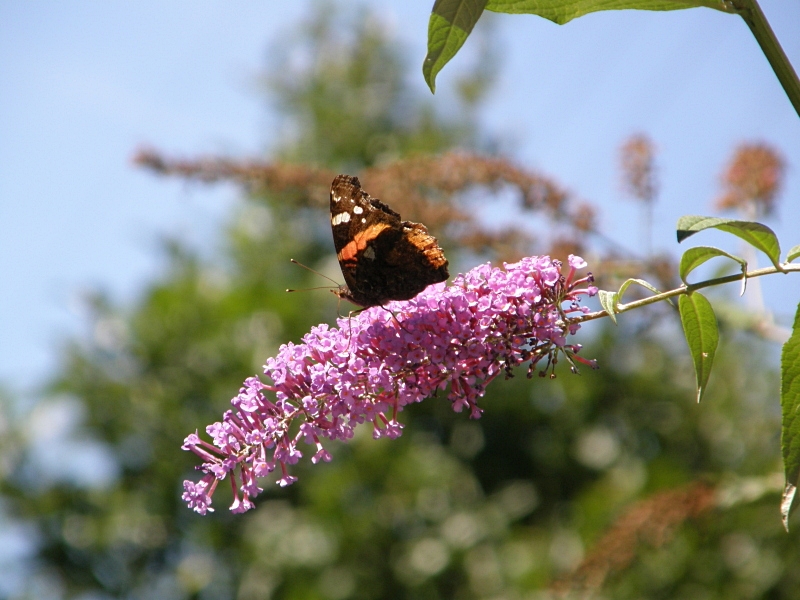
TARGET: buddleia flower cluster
(456,338)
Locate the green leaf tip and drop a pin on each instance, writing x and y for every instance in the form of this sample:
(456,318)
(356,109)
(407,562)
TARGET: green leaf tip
(450,24)
(790,416)
(702,335)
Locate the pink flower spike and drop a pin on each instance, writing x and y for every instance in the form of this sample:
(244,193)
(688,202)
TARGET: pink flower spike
(461,337)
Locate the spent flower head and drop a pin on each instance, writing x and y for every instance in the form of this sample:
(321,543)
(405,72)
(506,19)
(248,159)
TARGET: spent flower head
(457,337)
(638,168)
(752,180)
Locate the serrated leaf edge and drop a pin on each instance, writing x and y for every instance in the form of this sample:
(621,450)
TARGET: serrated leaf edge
(790,374)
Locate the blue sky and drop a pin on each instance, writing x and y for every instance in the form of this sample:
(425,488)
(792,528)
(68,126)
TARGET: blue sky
(82,85)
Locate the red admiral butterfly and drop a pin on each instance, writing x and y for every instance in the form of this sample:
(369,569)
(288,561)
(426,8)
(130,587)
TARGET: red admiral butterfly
(382,257)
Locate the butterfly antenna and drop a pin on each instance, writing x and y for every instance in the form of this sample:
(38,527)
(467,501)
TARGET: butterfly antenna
(307,268)
(324,287)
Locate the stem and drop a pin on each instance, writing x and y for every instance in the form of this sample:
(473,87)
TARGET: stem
(687,289)
(751,12)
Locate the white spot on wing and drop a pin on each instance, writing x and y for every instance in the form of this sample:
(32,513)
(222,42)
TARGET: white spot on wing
(358,210)
(337,198)
(342,217)
(363,220)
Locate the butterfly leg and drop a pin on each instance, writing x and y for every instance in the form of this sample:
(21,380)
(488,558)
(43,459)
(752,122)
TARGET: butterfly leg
(396,320)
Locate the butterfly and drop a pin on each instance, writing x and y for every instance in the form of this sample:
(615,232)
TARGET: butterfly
(382,257)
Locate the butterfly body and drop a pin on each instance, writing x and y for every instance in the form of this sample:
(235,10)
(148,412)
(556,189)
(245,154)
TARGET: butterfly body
(382,257)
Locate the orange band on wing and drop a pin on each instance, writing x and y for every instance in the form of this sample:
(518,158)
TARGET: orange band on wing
(360,241)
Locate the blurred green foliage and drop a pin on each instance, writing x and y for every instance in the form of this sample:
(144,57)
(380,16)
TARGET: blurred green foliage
(496,508)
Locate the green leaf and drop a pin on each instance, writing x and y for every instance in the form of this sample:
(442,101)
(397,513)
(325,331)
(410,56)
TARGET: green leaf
(609,300)
(452,21)
(563,11)
(702,335)
(793,253)
(450,24)
(790,416)
(694,257)
(757,235)
(640,282)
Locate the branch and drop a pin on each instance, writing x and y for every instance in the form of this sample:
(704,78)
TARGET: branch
(751,12)
(686,289)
